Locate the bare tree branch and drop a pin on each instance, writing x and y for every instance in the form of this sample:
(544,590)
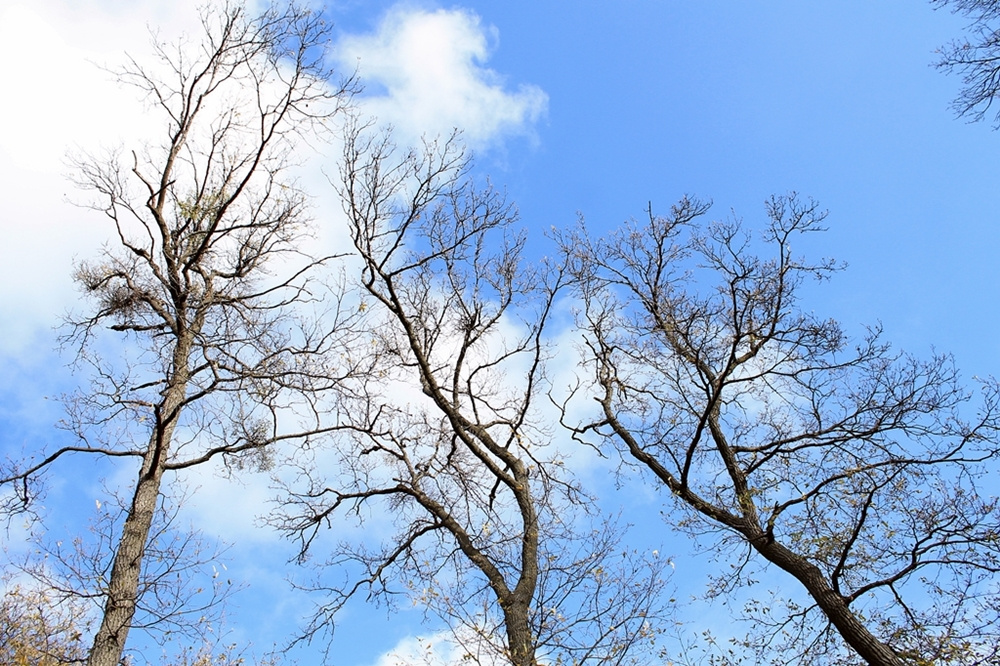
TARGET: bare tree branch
(975,58)
(444,435)
(856,471)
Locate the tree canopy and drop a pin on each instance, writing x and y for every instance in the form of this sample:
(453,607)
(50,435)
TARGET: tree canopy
(401,397)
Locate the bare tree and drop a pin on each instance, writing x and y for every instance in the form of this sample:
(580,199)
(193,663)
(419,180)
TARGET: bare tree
(443,438)
(204,278)
(853,468)
(976,58)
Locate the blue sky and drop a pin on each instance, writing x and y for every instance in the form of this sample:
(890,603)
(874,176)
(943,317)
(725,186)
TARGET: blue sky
(592,107)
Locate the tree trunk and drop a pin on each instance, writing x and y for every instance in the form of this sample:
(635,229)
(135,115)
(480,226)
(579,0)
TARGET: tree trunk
(123,586)
(854,633)
(520,641)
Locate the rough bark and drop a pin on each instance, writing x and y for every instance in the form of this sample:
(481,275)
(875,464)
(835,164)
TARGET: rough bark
(833,605)
(126,571)
(110,640)
(520,637)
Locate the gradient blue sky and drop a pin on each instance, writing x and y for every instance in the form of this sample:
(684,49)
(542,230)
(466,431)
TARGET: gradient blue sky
(595,108)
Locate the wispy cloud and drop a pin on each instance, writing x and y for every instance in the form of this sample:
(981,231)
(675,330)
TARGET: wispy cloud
(443,648)
(426,74)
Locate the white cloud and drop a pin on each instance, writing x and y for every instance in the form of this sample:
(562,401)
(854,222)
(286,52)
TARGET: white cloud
(57,100)
(443,648)
(430,70)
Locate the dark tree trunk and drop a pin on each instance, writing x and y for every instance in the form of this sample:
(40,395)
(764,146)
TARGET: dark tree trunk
(834,606)
(520,640)
(123,586)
